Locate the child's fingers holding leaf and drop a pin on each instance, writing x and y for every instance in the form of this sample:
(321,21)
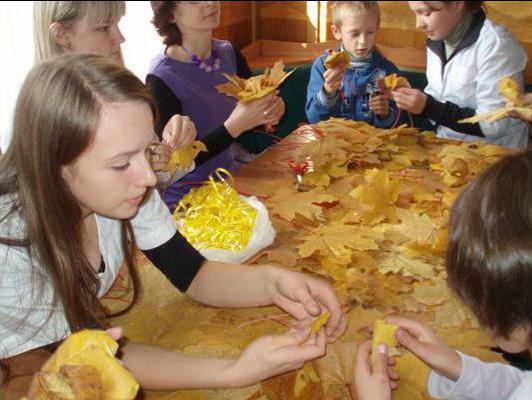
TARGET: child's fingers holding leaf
(372,384)
(423,342)
(379,105)
(333,79)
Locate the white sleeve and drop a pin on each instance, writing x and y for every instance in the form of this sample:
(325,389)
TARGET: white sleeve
(153,225)
(478,381)
(498,55)
(432,72)
(28,318)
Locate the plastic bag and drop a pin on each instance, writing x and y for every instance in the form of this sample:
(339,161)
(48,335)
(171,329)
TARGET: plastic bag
(262,236)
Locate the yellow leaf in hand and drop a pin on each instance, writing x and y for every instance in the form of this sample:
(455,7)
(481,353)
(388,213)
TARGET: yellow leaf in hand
(182,158)
(337,59)
(392,82)
(319,322)
(255,87)
(383,333)
(510,89)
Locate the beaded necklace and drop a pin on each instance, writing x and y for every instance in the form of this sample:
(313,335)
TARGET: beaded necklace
(211,63)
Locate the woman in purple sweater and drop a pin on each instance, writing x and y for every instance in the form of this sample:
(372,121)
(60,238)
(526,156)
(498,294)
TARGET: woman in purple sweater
(183,80)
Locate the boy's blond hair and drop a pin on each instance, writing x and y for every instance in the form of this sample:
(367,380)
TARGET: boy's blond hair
(340,9)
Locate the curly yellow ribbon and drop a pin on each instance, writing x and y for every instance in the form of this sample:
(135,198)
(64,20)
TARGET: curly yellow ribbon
(213,216)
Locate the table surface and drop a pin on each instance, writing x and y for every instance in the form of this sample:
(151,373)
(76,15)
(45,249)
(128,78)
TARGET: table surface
(395,265)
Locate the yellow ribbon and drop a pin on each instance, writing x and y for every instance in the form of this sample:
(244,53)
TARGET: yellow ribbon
(214,216)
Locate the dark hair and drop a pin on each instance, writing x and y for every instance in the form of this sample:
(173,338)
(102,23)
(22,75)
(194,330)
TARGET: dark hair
(470,6)
(489,259)
(163,14)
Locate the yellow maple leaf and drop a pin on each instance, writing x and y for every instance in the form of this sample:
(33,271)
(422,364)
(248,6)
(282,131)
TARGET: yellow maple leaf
(412,372)
(256,86)
(431,295)
(336,368)
(397,263)
(384,333)
(322,175)
(413,227)
(393,81)
(449,314)
(337,239)
(288,202)
(377,197)
(337,59)
(304,377)
(182,157)
(319,322)
(510,89)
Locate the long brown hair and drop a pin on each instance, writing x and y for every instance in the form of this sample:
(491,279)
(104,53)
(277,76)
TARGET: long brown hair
(56,118)
(489,259)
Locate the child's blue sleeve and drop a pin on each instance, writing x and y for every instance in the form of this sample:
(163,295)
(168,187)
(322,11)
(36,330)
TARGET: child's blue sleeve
(315,109)
(387,122)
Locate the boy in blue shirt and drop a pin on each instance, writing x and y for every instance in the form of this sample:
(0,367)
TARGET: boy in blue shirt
(352,92)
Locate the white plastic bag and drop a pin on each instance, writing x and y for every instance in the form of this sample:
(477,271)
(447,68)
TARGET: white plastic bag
(262,236)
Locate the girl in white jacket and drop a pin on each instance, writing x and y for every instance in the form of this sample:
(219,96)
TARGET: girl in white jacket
(489,267)
(467,54)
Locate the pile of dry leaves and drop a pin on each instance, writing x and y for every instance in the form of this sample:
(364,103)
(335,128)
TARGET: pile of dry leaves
(371,217)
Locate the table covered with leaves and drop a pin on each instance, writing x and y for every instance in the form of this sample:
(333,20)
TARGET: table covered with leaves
(369,213)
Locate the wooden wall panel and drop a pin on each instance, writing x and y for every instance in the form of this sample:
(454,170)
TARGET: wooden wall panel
(275,29)
(288,21)
(284,20)
(235,23)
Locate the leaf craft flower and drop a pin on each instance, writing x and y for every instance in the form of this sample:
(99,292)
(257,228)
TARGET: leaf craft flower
(182,157)
(255,87)
(84,366)
(337,59)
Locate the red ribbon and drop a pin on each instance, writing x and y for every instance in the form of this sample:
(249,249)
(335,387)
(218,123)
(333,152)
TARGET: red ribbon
(298,168)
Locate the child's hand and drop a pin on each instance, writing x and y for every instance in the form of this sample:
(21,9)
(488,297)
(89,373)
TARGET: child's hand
(273,355)
(180,131)
(333,80)
(423,342)
(374,384)
(379,105)
(411,100)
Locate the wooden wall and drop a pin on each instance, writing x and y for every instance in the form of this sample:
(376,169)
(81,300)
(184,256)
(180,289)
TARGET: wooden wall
(283,20)
(236,23)
(292,21)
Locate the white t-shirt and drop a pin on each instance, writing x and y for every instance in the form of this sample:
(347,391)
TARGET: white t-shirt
(482,381)
(26,294)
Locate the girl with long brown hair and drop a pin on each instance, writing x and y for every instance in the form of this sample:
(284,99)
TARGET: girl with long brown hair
(75,195)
